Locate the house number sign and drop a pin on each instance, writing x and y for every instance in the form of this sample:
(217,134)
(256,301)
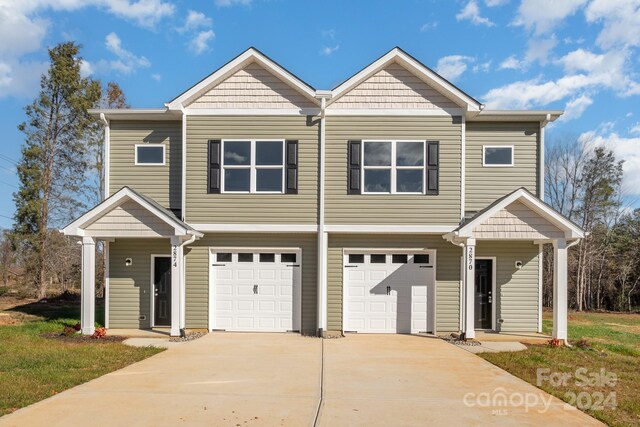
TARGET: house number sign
(470,258)
(174,256)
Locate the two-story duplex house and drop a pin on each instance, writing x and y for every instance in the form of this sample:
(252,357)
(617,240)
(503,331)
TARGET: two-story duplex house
(393,203)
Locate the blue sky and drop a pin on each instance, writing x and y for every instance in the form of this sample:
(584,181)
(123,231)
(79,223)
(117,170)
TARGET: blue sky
(577,55)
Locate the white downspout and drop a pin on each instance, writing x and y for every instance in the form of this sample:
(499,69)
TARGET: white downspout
(463,162)
(106,149)
(322,236)
(183,284)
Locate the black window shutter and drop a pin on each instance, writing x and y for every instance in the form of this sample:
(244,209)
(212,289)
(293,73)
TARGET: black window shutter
(213,186)
(291,178)
(433,161)
(353,168)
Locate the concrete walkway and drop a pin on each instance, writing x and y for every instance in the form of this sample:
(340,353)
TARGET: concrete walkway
(279,379)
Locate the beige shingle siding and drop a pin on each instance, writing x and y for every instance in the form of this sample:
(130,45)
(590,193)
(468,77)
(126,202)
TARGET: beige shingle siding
(447,273)
(517,221)
(298,208)
(162,183)
(197,272)
(130,286)
(393,87)
(517,289)
(486,184)
(443,209)
(130,219)
(252,87)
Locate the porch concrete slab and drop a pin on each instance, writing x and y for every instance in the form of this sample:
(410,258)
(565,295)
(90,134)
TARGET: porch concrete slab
(493,347)
(151,342)
(140,333)
(417,381)
(523,337)
(219,379)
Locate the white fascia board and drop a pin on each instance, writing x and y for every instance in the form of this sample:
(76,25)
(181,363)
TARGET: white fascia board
(539,207)
(77,227)
(136,114)
(441,112)
(389,229)
(255,228)
(252,111)
(425,74)
(544,116)
(238,63)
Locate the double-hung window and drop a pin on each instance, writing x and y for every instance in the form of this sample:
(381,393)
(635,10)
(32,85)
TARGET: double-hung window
(253,166)
(395,167)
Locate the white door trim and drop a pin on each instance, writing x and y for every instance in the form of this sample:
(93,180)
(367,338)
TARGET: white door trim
(297,321)
(431,293)
(152,274)
(494,296)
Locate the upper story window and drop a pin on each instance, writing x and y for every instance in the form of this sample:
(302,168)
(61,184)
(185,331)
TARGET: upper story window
(253,166)
(150,154)
(497,155)
(393,167)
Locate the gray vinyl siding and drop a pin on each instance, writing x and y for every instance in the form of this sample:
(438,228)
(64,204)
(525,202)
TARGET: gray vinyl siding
(485,184)
(517,290)
(130,287)
(162,183)
(197,272)
(341,208)
(447,273)
(298,208)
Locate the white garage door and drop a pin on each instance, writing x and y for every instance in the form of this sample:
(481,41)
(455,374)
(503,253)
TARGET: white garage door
(389,292)
(255,290)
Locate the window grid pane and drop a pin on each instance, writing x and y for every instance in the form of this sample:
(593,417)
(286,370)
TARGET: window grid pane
(253,166)
(404,175)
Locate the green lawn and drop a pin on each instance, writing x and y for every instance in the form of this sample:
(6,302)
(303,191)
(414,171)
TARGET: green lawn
(33,368)
(613,344)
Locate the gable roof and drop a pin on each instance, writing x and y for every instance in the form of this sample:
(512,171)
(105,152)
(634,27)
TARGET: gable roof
(248,56)
(76,228)
(429,76)
(571,229)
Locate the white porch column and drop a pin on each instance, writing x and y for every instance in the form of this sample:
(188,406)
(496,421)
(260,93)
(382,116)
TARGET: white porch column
(176,280)
(470,288)
(560,302)
(88,287)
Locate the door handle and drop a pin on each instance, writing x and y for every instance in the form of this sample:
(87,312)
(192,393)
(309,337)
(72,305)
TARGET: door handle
(255,289)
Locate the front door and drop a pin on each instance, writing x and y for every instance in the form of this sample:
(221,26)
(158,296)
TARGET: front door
(484,298)
(162,291)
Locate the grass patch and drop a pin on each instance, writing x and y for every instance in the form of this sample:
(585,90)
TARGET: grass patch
(33,368)
(612,344)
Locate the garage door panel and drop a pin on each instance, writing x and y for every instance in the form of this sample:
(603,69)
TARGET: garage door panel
(257,295)
(386,297)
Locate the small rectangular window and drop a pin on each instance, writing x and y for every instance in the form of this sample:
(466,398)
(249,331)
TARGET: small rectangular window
(245,257)
(421,259)
(356,259)
(399,258)
(267,257)
(496,155)
(150,154)
(378,258)
(288,258)
(223,257)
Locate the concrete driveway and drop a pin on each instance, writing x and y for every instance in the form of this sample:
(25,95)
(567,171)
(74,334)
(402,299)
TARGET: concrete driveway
(286,379)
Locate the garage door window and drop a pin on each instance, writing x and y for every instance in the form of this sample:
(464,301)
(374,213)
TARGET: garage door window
(421,259)
(267,257)
(223,257)
(245,257)
(399,258)
(288,258)
(378,258)
(356,259)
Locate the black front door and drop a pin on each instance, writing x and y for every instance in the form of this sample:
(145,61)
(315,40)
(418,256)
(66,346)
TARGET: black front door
(162,291)
(484,298)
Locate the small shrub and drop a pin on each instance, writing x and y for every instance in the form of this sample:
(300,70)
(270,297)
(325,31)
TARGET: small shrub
(69,331)
(555,342)
(99,333)
(77,326)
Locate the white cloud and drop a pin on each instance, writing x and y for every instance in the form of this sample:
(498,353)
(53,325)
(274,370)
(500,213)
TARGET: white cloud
(429,26)
(539,49)
(328,50)
(512,63)
(627,149)
(227,3)
(453,66)
(584,71)
(127,62)
(483,67)
(194,21)
(156,77)
(494,3)
(21,78)
(635,129)
(621,19)
(200,42)
(86,68)
(146,13)
(542,16)
(471,12)
(575,107)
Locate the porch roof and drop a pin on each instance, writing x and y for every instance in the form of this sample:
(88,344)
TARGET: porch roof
(128,213)
(546,218)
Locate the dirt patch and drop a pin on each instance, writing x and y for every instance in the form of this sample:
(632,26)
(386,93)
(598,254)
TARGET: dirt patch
(8,319)
(7,302)
(83,338)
